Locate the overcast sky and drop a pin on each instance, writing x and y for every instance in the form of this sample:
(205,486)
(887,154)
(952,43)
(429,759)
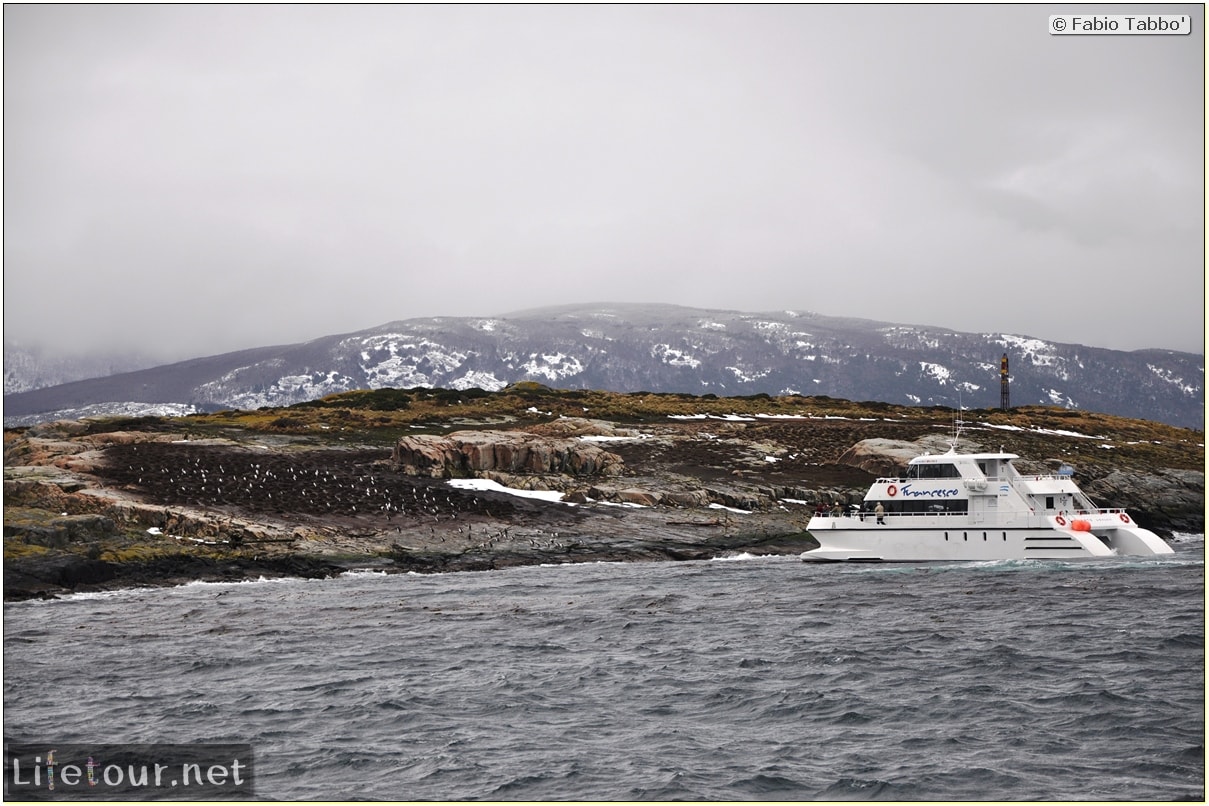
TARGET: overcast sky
(189,180)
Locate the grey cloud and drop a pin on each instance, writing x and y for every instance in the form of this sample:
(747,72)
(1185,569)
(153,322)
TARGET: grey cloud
(195,179)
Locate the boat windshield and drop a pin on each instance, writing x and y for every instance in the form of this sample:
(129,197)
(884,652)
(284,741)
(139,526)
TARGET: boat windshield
(933,471)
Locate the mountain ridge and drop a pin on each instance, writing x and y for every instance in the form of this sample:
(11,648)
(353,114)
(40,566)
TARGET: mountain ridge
(659,348)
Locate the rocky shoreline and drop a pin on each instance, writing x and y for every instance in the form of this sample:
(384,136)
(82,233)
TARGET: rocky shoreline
(97,505)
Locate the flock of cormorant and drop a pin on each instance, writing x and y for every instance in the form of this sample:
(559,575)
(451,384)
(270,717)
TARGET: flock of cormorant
(323,483)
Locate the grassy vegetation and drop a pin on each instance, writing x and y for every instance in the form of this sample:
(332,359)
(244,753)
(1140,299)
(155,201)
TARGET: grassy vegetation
(18,550)
(122,548)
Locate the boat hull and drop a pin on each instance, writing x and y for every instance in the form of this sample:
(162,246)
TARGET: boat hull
(840,540)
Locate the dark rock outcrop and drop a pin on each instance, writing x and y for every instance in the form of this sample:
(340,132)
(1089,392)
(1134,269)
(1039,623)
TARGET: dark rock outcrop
(60,531)
(1166,500)
(475,453)
(50,577)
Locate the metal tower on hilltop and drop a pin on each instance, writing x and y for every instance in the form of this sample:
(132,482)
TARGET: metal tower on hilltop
(1005,401)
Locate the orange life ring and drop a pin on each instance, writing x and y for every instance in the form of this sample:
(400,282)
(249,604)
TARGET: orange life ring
(1061,521)
(1124,518)
(891,491)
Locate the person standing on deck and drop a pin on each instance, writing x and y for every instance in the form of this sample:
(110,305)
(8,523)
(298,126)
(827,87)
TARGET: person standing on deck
(881,511)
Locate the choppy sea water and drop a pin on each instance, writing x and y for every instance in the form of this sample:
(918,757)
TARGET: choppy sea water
(743,679)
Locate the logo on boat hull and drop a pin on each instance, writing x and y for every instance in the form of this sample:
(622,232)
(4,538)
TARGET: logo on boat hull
(949,493)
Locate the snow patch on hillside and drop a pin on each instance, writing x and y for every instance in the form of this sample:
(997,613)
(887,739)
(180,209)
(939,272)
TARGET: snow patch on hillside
(475,379)
(391,360)
(1035,430)
(289,389)
(1168,376)
(673,357)
(935,371)
(1061,399)
(1039,353)
(747,376)
(773,326)
(903,336)
(554,366)
(117,409)
(234,376)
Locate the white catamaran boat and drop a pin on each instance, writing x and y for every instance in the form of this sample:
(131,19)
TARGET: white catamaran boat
(976,506)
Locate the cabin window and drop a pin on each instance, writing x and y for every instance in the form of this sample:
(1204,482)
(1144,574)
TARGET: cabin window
(1005,537)
(965,535)
(1049,502)
(939,471)
(984,536)
(925,507)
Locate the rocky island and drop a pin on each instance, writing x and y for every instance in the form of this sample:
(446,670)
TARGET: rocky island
(430,480)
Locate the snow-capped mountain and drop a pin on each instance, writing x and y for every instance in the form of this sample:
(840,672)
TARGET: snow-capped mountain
(661,348)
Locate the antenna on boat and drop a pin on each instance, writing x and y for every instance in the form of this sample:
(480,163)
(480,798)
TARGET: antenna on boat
(958,424)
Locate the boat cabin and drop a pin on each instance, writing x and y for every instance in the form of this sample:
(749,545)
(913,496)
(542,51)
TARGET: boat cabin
(982,486)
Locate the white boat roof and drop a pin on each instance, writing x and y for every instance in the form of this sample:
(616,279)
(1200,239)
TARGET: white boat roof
(937,458)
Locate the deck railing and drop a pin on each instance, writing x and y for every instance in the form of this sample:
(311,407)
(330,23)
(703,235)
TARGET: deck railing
(1040,516)
(1020,476)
